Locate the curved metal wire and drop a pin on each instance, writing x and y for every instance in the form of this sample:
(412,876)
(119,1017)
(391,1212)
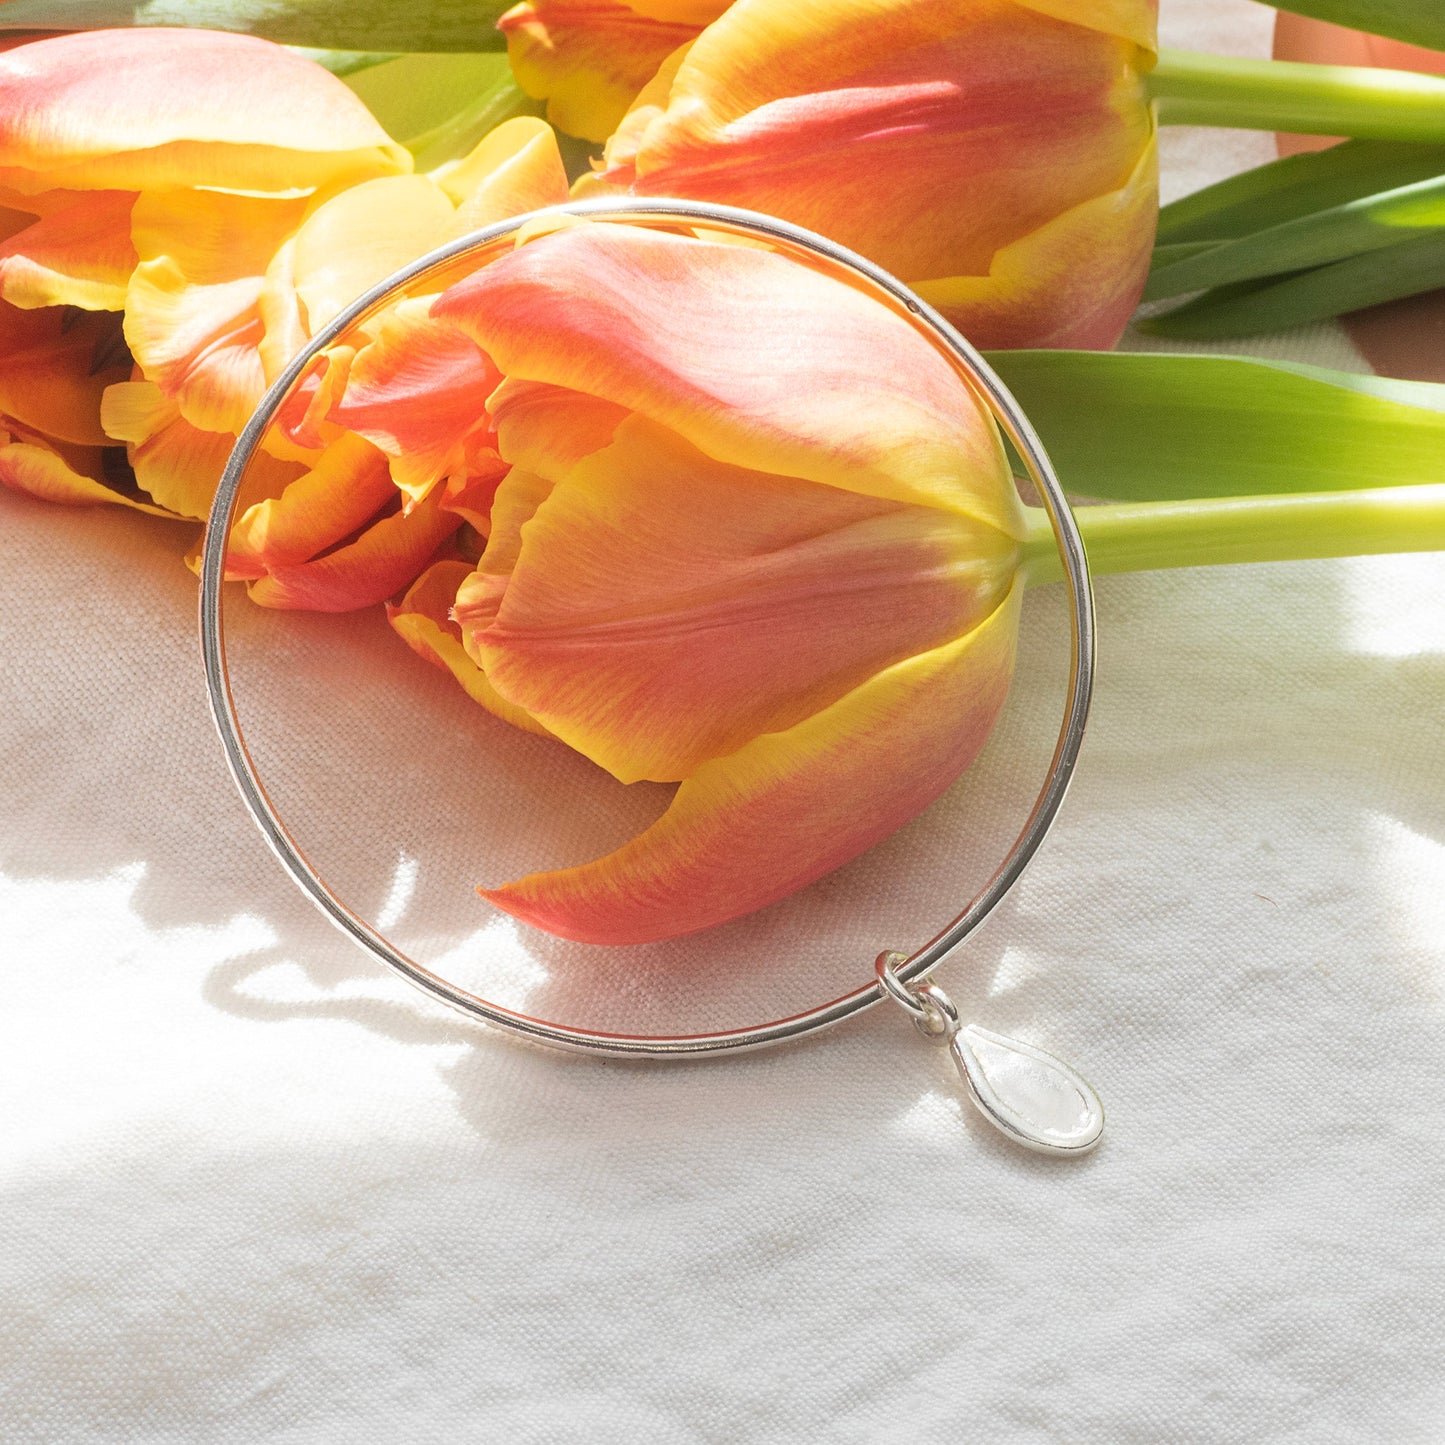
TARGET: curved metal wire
(975,371)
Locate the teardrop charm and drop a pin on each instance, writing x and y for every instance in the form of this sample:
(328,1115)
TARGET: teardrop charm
(1034,1098)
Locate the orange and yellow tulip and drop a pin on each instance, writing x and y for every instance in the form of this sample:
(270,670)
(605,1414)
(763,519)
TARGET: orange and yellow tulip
(228,197)
(87,123)
(211,322)
(756,539)
(996,154)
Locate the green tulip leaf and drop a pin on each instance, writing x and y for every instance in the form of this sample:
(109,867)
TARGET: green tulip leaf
(1330,235)
(1250,308)
(1422,22)
(356,25)
(1297,186)
(1173,252)
(439,106)
(1142,427)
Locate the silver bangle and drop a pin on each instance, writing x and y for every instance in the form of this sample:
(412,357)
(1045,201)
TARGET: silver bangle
(898,975)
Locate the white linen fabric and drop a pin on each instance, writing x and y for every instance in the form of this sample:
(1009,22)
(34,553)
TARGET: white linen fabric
(252,1188)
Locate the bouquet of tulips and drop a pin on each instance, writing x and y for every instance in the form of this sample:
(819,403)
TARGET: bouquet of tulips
(679,504)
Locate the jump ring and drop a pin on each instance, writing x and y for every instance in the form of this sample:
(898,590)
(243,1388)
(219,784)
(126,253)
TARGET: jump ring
(886,967)
(942,1020)
(933,1013)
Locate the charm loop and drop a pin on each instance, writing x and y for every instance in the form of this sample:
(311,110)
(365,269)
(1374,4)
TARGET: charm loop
(934,1014)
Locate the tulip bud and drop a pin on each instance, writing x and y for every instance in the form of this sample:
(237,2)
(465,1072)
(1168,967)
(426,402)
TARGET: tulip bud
(757,539)
(1000,158)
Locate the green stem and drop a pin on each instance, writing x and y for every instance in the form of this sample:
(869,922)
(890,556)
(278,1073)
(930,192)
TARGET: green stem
(1143,536)
(1195,89)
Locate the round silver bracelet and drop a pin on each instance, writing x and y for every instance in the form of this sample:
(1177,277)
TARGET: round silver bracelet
(1074,1118)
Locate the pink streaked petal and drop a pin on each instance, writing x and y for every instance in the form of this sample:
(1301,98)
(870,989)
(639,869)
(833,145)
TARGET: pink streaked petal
(418,391)
(757,360)
(665,608)
(472,495)
(303,415)
(799,110)
(387,557)
(788,807)
(78,254)
(696,13)
(549,429)
(1073,283)
(422,618)
(514,504)
(161,108)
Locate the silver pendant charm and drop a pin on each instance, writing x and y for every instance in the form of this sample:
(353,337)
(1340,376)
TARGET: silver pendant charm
(1034,1098)
(1028,1095)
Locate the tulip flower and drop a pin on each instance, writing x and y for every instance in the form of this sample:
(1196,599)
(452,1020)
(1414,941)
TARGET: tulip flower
(229,197)
(212,320)
(756,539)
(88,122)
(589,59)
(1000,158)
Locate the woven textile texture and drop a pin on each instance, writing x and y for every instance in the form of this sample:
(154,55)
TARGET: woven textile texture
(253,1189)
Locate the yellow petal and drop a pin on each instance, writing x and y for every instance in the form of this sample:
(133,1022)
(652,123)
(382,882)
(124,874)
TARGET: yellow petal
(589,59)
(193,319)
(57,472)
(1135,20)
(54,367)
(176,463)
(362,235)
(422,619)
(513,169)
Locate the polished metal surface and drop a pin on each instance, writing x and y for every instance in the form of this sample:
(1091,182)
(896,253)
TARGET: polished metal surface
(1028,1095)
(811,248)
(1033,1098)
